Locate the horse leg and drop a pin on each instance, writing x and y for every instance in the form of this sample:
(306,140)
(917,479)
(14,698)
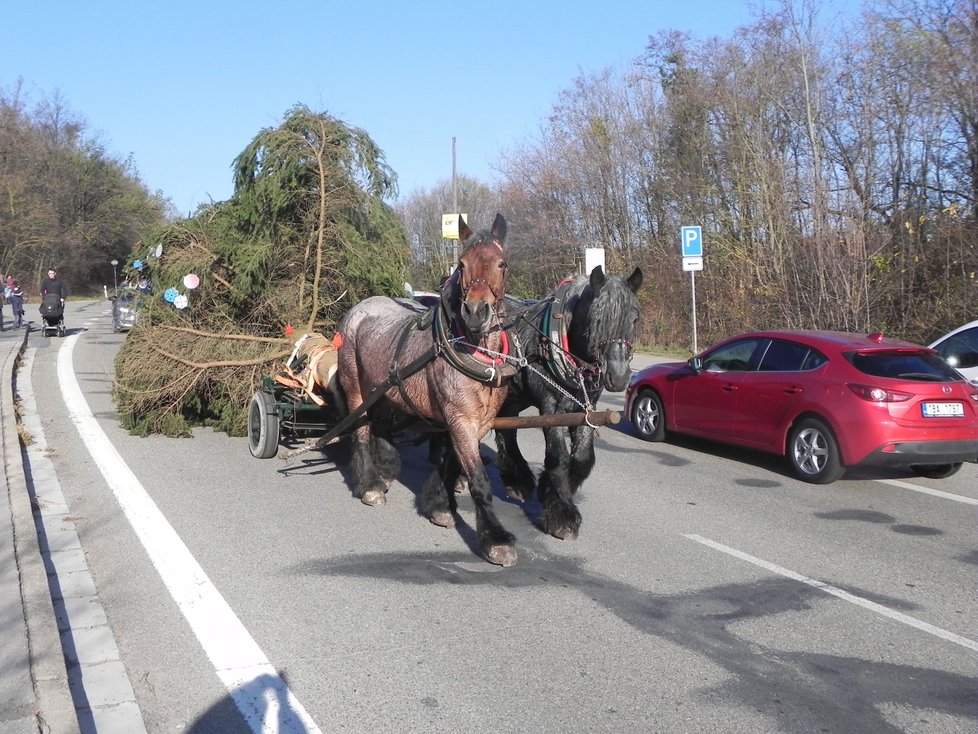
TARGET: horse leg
(498,545)
(581,456)
(513,468)
(436,502)
(369,486)
(386,459)
(560,516)
(438,447)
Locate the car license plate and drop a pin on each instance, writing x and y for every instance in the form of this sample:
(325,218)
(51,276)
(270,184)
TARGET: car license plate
(943,410)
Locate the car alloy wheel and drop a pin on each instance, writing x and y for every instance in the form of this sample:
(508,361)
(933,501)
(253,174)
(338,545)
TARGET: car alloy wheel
(814,453)
(648,416)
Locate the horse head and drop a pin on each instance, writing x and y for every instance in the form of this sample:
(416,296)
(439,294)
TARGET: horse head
(480,280)
(610,313)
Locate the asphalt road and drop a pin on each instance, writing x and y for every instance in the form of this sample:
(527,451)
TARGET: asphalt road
(708,591)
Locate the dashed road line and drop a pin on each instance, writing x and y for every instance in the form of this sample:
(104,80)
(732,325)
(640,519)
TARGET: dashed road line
(837,592)
(928,490)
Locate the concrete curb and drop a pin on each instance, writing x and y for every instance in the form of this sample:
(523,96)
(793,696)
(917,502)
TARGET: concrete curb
(55,710)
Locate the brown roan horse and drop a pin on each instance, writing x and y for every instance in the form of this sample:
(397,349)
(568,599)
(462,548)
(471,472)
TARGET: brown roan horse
(461,387)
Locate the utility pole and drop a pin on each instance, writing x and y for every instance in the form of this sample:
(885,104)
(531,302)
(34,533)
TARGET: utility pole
(454,204)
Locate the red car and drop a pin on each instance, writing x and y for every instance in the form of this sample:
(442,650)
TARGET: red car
(826,400)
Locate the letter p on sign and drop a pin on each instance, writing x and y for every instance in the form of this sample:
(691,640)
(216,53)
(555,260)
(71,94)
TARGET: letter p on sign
(692,242)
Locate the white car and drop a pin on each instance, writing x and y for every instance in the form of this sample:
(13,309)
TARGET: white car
(959,348)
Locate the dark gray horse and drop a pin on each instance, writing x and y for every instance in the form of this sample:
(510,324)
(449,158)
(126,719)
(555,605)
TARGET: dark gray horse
(578,343)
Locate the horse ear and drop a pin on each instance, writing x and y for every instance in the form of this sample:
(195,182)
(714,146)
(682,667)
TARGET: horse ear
(499,228)
(597,279)
(463,230)
(635,280)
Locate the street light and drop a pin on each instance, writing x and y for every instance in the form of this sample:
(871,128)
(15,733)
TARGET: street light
(115,281)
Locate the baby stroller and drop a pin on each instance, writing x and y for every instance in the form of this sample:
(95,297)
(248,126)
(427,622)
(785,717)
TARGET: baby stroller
(52,315)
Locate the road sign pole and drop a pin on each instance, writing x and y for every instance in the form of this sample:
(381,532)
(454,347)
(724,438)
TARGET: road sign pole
(691,248)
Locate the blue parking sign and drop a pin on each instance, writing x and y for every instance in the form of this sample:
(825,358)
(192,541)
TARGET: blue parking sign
(692,241)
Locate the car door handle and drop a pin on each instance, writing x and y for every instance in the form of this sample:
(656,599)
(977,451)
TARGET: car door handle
(794,390)
(730,388)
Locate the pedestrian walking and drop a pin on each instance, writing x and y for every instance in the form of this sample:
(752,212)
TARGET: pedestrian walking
(13,294)
(54,284)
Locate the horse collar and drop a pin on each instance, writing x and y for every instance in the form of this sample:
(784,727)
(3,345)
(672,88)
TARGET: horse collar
(556,331)
(468,359)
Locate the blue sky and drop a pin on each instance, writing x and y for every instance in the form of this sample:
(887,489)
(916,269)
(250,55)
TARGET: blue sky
(184,86)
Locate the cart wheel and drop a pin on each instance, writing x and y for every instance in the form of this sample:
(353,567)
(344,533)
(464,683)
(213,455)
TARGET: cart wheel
(263,428)
(61,330)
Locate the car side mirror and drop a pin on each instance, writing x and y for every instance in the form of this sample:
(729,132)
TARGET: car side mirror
(695,364)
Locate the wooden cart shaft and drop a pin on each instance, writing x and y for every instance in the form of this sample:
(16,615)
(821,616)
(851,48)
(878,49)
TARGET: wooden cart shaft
(595,418)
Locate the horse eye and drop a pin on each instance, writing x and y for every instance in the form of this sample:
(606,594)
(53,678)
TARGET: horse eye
(503,265)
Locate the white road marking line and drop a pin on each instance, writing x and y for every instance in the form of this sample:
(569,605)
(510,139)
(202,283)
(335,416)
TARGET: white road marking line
(844,595)
(254,685)
(928,490)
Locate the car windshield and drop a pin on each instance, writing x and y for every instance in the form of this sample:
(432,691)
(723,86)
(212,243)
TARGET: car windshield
(961,349)
(904,365)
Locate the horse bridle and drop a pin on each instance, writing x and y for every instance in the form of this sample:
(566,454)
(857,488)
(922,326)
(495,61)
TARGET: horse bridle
(630,348)
(593,371)
(466,286)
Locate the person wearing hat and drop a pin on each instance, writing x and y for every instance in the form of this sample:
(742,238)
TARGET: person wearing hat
(15,297)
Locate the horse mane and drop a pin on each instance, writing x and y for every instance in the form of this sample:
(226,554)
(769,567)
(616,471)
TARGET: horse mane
(597,307)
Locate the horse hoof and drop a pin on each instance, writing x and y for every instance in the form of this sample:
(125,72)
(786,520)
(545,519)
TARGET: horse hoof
(443,520)
(374,498)
(565,534)
(462,485)
(502,555)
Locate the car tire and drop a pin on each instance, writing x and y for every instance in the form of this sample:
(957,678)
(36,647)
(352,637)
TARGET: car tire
(263,426)
(935,471)
(648,416)
(814,453)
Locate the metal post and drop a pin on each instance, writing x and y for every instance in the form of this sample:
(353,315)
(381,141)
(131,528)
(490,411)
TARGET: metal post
(115,279)
(692,282)
(454,205)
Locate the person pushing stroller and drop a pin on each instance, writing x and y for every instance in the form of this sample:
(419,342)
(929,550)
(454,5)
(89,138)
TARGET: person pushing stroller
(53,295)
